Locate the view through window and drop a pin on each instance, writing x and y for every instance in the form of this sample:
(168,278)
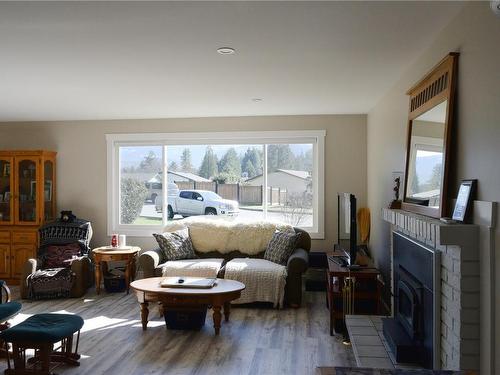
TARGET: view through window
(157,183)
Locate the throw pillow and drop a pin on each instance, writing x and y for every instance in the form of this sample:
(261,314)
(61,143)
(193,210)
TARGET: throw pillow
(56,256)
(176,245)
(281,246)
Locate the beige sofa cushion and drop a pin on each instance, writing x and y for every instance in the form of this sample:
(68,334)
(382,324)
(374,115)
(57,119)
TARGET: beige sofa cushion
(224,236)
(264,280)
(209,267)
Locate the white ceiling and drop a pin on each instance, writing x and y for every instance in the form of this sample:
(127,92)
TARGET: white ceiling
(75,60)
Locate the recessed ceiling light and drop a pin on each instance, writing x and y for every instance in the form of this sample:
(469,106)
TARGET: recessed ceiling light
(256,100)
(226,50)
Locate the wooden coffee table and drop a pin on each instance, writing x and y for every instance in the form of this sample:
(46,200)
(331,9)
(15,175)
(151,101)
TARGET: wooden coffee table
(221,295)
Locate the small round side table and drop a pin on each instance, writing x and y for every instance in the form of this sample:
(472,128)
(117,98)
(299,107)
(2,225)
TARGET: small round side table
(108,253)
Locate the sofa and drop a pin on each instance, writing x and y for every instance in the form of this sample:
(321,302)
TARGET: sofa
(218,242)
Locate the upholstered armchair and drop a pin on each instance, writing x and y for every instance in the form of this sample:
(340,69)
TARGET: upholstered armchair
(63,267)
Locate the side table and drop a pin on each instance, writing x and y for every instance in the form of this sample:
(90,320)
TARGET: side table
(108,253)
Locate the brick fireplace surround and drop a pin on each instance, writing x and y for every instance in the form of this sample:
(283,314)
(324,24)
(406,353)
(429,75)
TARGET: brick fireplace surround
(457,329)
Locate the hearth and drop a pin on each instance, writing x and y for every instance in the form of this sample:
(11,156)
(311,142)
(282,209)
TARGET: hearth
(410,334)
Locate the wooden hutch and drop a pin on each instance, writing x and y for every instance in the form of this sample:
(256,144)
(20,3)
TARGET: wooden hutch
(27,200)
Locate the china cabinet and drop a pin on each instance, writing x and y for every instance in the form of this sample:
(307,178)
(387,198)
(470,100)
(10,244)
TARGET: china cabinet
(27,200)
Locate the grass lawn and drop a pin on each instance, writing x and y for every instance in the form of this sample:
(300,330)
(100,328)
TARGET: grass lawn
(147,221)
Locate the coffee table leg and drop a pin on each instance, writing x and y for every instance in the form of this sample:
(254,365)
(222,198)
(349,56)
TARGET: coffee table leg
(217,318)
(144,315)
(227,311)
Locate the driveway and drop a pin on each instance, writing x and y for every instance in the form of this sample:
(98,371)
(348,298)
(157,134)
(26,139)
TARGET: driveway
(303,220)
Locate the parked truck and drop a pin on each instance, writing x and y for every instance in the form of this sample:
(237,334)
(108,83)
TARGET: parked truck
(198,202)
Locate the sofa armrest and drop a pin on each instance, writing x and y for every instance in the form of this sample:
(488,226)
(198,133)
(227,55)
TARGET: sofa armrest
(149,260)
(29,267)
(298,261)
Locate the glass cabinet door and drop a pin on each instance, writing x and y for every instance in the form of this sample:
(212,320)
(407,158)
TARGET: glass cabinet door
(6,197)
(26,190)
(48,190)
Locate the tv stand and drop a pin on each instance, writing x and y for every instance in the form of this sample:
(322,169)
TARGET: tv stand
(367,291)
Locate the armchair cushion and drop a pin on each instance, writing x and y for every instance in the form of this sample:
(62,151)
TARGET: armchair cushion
(56,256)
(51,283)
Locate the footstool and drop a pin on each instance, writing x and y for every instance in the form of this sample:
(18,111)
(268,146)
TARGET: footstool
(40,332)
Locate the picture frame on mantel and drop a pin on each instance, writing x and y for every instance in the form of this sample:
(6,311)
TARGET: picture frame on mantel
(465,196)
(430,131)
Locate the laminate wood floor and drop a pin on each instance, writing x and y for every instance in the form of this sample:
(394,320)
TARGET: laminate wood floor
(256,340)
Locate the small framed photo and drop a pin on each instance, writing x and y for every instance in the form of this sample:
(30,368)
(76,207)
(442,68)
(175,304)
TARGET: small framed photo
(465,195)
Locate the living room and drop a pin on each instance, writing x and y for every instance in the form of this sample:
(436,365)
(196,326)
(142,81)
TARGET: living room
(251,101)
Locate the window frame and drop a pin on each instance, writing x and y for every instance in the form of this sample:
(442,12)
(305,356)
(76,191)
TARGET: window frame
(264,138)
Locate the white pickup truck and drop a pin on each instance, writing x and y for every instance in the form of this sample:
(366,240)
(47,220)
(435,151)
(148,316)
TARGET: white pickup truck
(199,202)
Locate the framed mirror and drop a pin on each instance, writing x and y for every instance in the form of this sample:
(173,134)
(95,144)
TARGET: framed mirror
(430,124)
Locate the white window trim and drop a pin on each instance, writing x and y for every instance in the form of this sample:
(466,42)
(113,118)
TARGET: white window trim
(114,141)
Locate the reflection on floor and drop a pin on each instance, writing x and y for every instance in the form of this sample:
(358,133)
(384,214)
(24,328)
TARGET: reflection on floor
(255,341)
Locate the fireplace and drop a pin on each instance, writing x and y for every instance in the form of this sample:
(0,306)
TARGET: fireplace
(409,309)
(411,332)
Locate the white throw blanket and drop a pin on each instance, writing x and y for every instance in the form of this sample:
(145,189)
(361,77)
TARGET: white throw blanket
(193,267)
(223,236)
(264,280)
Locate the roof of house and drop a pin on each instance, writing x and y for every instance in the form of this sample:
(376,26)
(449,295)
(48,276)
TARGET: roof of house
(190,176)
(304,175)
(300,174)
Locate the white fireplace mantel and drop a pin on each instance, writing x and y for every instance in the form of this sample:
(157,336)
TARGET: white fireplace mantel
(458,245)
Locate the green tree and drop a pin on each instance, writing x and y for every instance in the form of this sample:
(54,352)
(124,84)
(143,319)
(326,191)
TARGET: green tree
(133,194)
(173,166)
(226,178)
(279,157)
(230,163)
(304,161)
(249,169)
(209,165)
(150,163)
(435,179)
(251,163)
(186,163)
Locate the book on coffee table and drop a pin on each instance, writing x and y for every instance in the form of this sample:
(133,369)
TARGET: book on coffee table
(188,282)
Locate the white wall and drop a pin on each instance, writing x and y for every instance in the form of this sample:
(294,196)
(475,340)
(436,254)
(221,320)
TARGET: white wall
(475,33)
(81,168)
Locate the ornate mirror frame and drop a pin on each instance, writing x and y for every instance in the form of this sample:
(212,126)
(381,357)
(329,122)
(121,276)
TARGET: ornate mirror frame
(433,89)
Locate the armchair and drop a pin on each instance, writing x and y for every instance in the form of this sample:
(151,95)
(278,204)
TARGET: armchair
(63,262)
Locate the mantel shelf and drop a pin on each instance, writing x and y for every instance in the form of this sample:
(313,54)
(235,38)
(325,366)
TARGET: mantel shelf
(430,231)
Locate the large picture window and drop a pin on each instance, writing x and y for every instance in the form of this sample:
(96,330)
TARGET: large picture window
(156,178)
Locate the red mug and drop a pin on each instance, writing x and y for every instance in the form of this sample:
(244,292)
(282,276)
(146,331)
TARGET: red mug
(114,240)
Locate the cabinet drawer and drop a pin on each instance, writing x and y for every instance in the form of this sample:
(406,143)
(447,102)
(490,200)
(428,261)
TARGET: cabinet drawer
(4,237)
(24,237)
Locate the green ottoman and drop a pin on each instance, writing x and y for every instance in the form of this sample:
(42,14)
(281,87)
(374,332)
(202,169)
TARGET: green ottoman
(41,332)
